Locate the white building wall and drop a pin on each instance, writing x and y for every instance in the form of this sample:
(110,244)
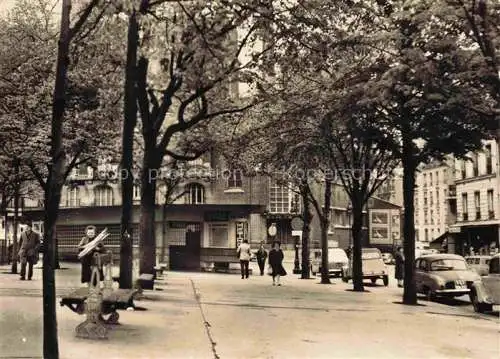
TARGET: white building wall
(431,205)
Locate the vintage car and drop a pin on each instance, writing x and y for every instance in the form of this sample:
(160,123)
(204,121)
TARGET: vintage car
(480,264)
(388,258)
(443,275)
(337,260)
(373,267)
(485,293)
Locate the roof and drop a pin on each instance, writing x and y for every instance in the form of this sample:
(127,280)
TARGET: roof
(442,256)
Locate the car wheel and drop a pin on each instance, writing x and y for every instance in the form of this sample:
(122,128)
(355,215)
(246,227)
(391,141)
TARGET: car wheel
(374,280)
(345,279)
(386,280)
(429,294)
(476,304)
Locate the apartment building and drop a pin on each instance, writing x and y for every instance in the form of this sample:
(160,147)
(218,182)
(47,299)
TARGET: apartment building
(434,184)
(392,189)
(477,183)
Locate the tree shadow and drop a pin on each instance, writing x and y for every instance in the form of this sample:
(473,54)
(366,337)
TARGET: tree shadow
(356,291)
(410,305)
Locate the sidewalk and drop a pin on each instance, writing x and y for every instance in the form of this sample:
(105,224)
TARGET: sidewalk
(171,326)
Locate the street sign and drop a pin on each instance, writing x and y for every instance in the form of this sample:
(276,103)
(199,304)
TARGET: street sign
(454,230)
(297,224)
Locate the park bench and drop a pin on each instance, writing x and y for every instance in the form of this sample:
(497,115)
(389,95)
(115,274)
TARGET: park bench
(118,299)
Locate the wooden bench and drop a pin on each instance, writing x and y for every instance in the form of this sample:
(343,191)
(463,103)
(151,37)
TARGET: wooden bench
(118,299)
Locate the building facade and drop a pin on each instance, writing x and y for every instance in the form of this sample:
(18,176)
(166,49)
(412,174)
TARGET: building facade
(433,215)
(477,188)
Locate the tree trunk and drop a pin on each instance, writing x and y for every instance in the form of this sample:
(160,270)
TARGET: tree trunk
(357,243)
(409,168)
(306,231)
(53,188)
(324,219)
(147,243)
(129,123)
(163,228)
(15,249)
(57,265)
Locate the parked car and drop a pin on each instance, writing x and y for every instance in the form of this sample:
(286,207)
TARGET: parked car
(388,258)
(337,260)
(481,264)
(485,293)
(374,267)
(443,275)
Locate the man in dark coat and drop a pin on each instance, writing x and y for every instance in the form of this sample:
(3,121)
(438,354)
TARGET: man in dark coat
(261,257)
(90,234)
(28,252)
(400,266)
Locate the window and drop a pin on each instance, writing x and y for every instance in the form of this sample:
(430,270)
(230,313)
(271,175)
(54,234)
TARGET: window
(477,204)
(475,165)
(465,207)
(437,177)
(73,197)
(489,160)
(234,180)
(426,235)
(491,212)
(103,196)
(463,169)
(430,179)
(195,193)
(279,199)
(218,235)
(425,179)
(425,201)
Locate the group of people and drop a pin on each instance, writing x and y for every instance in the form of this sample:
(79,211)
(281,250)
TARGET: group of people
(276,256)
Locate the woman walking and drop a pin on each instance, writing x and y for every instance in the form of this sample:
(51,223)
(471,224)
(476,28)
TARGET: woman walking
(400,266)
(276,263)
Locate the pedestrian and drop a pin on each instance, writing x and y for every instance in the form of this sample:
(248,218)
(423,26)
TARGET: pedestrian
(90,234)
(261,257)
(28,252)
(244,255)
(276,263)
(399,270)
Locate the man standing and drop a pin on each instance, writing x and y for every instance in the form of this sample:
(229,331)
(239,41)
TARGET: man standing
(28,252)
(244,255)
(90,233)
(261,258)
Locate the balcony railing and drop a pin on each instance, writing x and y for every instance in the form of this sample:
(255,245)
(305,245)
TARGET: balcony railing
(491,215)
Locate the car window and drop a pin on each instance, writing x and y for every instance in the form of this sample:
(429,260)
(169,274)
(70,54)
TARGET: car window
(448,264)
(470,260)
(495,265)
(423,265)
(487,261)
(417,263)
(477,261)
